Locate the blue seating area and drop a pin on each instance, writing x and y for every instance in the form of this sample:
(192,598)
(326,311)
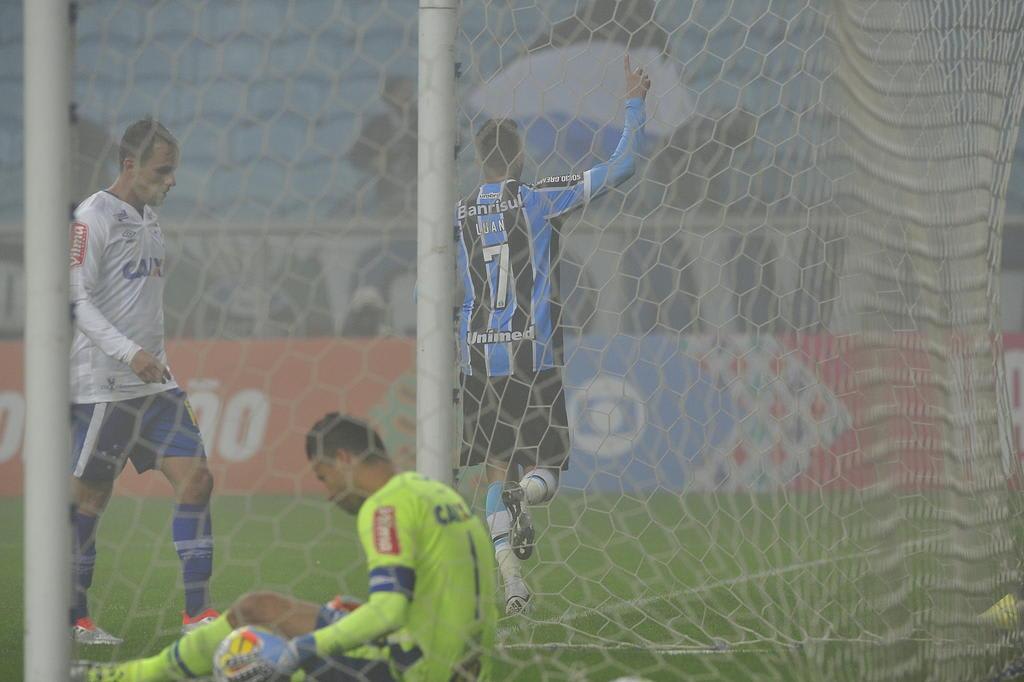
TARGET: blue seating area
(267,96)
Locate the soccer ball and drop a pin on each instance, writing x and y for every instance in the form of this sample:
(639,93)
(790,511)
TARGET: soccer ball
(237,657)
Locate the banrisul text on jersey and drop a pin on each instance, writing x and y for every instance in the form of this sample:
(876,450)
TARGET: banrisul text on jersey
(507,248)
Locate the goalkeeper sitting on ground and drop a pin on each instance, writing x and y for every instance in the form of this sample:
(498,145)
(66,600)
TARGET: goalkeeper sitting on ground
(420,539)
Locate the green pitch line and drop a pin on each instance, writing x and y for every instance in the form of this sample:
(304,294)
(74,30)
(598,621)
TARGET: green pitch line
(717,587)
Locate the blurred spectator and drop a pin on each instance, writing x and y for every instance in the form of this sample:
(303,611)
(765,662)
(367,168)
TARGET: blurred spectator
(246,285)
(680,172)
(368,314)
(94,160)
(385,150)
(388,267)
(753,283)
(12,286)
(630,22)
(93,164)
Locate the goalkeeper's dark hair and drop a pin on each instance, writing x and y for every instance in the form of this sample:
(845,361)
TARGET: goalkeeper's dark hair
(139,138)
(337,432)
(498,144)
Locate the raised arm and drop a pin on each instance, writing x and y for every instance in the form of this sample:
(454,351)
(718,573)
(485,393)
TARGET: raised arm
(566,193)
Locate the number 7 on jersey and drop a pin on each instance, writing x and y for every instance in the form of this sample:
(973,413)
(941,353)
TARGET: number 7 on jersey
(499,292)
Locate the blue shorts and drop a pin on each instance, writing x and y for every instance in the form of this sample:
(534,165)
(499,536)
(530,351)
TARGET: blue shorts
(105,436)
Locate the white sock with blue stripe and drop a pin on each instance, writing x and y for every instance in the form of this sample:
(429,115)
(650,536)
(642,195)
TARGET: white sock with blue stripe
(498,518)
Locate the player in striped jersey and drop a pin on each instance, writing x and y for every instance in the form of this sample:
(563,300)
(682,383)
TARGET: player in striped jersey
(510,341)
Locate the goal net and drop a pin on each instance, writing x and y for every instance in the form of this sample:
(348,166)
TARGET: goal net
(791,452)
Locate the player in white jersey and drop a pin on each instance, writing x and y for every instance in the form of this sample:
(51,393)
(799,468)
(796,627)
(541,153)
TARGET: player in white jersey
(126,404)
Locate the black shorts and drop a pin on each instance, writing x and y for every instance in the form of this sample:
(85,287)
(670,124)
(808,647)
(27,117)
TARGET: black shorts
(518,419)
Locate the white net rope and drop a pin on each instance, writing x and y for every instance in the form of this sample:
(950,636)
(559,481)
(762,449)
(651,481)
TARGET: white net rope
(790,458)
(781,340)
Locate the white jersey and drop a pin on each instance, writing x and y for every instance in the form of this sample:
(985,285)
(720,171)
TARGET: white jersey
(117,291)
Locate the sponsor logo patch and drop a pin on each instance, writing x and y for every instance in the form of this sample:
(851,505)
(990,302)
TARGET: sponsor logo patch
(145,267)
(79,241)
(473,210)
(494,336)
(560,180)
(385,532)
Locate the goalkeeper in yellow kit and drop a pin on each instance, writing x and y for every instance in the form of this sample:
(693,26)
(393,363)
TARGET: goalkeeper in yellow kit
(430,615)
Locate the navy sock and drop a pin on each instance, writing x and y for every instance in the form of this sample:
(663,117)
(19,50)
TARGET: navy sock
(84,530)
(193,540)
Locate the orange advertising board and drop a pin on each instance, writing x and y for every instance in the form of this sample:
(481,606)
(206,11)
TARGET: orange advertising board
(254,401)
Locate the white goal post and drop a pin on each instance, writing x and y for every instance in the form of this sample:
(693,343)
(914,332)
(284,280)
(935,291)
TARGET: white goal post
(47,327)
(435,355)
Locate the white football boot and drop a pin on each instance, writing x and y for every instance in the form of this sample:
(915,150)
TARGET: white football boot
(517,594)
(84,631)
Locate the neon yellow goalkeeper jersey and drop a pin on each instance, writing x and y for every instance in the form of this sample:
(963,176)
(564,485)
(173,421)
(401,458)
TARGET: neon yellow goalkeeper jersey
(421,539)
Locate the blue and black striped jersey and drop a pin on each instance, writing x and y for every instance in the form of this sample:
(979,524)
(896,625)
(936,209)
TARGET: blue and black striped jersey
(507,250)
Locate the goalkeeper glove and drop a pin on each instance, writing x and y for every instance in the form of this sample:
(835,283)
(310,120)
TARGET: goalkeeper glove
(278,657)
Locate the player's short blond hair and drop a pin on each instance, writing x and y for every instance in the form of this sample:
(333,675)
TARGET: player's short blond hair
(140,137)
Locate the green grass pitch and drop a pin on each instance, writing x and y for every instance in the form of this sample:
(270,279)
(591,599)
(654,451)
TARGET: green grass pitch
(665,587)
